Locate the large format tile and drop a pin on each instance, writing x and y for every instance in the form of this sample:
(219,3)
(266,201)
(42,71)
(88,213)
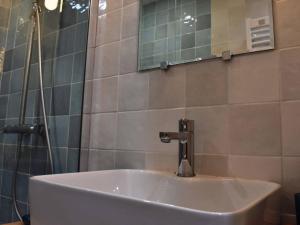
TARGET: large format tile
(130,21)
(105,95)
(101,160)
(162,120)
(256,167)
(103,131)
(167,88)
(287,23)
(133,92)
(161,161)
(206,83)
(75,131)
(76,98)
(255,129)
(290,128)
(254,78)
(132,130)
(289,68)
(214,165)
(140,130)
(107,60)
(128,56)
(211,129)
(61,100)
(59,130)
(109,27)
(130,160)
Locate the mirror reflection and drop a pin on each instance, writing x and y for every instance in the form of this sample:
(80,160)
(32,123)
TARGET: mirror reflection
(180,31)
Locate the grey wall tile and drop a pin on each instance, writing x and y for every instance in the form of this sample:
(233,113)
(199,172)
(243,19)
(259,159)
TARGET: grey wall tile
(188,41)
(103,138)
(211,129)
(254,78)
(130,160)
(61,100)
(105,95)
(74,131)
(289,68)
(3,34)
(287,26)
(130,20)
(66,41)
(161,161)
(214,165)
(16,81)
(255,129)
(14,105)
(132,130)
(101,160)
(63,70)
(167,89)
(4,16)
(290,126)
(109,27)
(133,92)
(18,57)
(107,60)
(76,98)
(251,167)
(79,67)
(59,130)
(73,160)
(206,84)
(5,83)
(81,36)
(203,22)
(49,44)
(128,56)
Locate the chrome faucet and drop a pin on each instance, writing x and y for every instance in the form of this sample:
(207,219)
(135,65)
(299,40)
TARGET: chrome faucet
(185,137)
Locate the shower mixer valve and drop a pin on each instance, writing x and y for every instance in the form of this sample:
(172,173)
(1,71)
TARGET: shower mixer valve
(24,129)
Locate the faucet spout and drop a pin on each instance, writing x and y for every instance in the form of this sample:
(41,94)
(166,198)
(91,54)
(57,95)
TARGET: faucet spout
(167,137)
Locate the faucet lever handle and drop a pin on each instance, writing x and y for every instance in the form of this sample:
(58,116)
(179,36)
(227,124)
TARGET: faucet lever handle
(164,137)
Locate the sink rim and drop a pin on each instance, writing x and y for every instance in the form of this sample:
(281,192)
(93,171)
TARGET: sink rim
(45,180)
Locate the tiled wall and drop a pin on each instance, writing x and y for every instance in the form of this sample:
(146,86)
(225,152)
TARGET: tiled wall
(4,19)
(246,111)
(64,38)
(174,31)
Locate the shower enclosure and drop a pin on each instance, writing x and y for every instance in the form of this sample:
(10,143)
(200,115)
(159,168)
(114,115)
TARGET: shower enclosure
(64,34)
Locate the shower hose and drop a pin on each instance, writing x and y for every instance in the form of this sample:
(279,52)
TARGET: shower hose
(35,24)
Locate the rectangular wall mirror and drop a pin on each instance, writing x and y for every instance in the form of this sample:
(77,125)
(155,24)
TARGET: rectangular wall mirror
(179,31)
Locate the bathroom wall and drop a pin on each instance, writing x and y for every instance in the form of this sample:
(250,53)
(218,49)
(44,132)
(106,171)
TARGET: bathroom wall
(4,19)
(246,111)
(64,39)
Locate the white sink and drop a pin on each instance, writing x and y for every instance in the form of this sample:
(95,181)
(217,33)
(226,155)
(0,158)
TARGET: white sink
(134,197)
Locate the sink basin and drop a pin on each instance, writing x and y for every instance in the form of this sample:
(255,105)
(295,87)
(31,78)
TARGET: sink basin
(134,197)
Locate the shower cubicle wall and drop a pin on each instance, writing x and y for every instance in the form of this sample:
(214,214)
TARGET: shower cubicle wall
(64,39)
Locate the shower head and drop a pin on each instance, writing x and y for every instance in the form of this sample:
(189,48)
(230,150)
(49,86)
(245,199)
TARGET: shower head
(51,4)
